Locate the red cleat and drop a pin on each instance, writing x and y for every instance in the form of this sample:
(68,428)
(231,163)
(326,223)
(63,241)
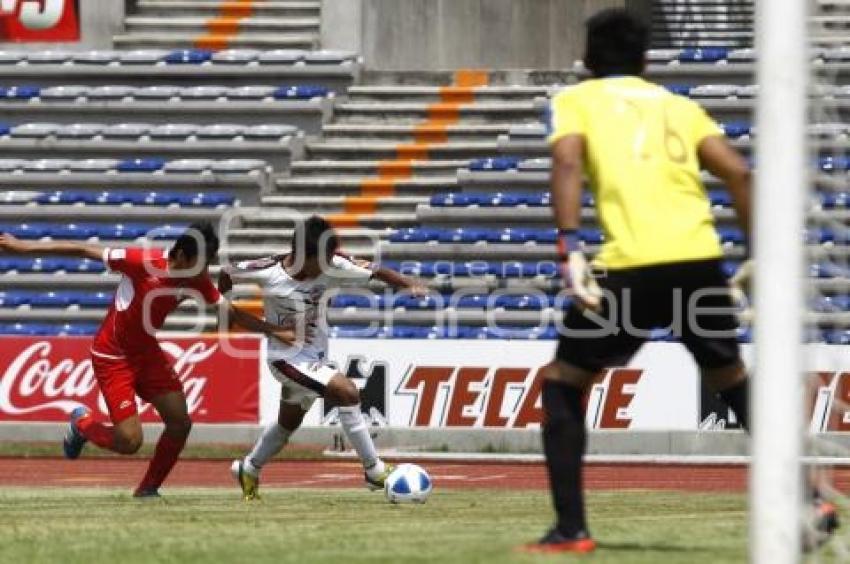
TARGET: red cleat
(554,542)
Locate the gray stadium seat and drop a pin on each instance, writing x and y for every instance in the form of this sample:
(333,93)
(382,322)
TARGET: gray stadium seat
(11,57)
(47,165)
(836,54)
(158,92)
(93,165)
(269,131)
(8,165)
(79,130)
(828,130)
(748,91)
(18,196)
(219,131)
(281,57)
(251,92)
(95,57)
(110,92)
(535,164)
(189,165)
(715,91)
(236,56)
(70,92)
(172,130)
(662,56)
(203,93)
(142,56)
(125,130)
(534,131)
(49,57)
(35,130)
(742,56)
(238,165)
(328,57)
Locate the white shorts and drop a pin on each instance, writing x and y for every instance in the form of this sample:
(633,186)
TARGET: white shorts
(302,382)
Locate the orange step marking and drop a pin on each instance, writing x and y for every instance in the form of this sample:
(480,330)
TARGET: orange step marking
(377,187)
(444,113)
(395,169)
(413,151)
(343,220)
(457,94)
(213,42)
(361,204)
(431,133)
(224,26)
(471,77)
(237,9)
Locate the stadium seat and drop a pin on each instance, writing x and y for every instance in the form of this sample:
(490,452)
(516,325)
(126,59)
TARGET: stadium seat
(300,92)
(94,57)
(662,56)
(703,55)
(236,56)
(746,55)
(680,89)
(47,165)
(142,56)
(281,57)
(19,92)
(157,92)
(79,131)
(251,92)
(110,92)
(172,131)
(494,164)
(235,166)
(63,92)
(328,57)
(11,57)
(532,165)
(188,57)
(715,91)
(48,57)
(9,165)
(188,165)
(34,130)
(270,131)
(736,129)
(219,131)
(141,165)
(93,165)
(126,130)
(203,93)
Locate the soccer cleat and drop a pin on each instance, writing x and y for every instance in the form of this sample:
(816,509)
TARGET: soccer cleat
(249,483)
(377,483)
(146,493)
(823,523)
(555,542)
(73,441)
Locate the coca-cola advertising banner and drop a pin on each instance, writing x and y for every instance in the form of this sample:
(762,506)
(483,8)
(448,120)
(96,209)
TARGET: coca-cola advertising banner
(43,379)
(39,21)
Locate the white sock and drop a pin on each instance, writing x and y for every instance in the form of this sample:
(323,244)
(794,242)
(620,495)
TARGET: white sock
(358,435)
(273,439)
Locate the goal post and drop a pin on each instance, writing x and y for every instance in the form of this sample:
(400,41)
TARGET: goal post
(781,189)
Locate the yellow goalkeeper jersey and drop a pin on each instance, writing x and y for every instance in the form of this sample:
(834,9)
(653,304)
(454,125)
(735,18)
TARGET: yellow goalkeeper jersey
(641,158)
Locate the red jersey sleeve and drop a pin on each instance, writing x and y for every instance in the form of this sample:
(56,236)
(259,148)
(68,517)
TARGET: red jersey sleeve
(129,261)
(208,290)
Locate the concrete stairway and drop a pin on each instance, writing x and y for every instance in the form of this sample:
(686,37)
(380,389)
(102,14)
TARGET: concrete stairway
(388,149)
(261,24)
(702,23)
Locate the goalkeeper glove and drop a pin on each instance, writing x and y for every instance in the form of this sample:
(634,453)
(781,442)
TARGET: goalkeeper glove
(576,271)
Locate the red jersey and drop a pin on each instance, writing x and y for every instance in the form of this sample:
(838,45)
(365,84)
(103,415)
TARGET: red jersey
(144,298)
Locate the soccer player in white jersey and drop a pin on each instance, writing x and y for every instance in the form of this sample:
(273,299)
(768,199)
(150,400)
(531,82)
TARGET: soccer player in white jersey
(293,285)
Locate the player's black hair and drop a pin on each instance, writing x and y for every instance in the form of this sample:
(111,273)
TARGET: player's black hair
(315,237)
(617,41)
(188,241)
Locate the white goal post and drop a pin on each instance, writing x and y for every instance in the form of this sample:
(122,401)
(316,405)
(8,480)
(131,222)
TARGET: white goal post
(781,188)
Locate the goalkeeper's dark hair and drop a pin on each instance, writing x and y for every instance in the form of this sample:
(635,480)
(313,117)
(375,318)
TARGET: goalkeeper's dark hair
(315,237)
(617,41)
(198,237)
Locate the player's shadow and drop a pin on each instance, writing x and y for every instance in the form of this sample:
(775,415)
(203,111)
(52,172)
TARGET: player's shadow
(636,547)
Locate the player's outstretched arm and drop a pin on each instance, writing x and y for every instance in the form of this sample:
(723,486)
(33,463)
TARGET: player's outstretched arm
(253,323)
(399,281)
(11,244)
(719,158)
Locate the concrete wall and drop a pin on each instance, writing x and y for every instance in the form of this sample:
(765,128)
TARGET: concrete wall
(451,34)
(100,20)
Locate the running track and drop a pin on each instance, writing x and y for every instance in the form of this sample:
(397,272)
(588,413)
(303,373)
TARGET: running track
(323,474)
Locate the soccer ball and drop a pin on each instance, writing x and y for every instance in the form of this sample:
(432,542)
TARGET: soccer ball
(408,483)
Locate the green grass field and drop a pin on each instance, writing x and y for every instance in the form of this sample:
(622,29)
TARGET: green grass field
(213,526)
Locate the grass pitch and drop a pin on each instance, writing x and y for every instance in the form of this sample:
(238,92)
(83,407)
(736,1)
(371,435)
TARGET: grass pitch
(214,526)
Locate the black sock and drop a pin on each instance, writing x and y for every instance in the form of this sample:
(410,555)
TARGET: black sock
(564,442)
(738,398)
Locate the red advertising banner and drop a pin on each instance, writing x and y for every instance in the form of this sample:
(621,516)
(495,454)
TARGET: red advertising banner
(43,379)
(39,21)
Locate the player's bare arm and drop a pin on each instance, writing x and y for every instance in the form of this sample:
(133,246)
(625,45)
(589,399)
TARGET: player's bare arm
(253,323)
(566,186)
(719,158)
(399,281)
(12,244)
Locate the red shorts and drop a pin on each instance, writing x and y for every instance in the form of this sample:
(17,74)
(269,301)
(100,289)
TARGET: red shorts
(122,379)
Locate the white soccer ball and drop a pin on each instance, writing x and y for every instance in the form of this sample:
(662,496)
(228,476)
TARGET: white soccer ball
(408,483)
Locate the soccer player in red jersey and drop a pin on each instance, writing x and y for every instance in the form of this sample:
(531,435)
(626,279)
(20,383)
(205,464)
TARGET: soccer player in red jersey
(126,357)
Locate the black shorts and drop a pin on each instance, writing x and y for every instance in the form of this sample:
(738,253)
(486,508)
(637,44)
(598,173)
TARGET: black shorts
(677,295)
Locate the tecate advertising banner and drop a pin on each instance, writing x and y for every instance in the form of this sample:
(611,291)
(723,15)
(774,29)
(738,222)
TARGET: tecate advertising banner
(39,21)
(477,384)
(43,379)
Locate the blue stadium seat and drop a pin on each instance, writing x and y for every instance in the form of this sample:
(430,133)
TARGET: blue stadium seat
(78,329)
(720,198)
(736,129)
(95,299)
(74,231)
(834,163)
(730,235)
(15,298)
(25,230)
(503,200)
(832,304)
(703,55)
(357,301)
(188,57)
(415,235)
(680,89)
(20,92)
(410,332)
(526,302)
(539,200)
(27,329)
(57,299)
(832,200)
(212,199)
(300,92)
(68,197)
(471,301)
(141,165)
(494,164)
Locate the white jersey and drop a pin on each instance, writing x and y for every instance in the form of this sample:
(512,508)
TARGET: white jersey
(291,303)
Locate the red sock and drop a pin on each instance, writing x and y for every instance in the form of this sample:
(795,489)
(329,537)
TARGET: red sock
(98,433)
(165,456)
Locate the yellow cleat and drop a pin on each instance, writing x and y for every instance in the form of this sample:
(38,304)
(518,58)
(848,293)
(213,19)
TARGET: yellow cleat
(249,483)
(375,484)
